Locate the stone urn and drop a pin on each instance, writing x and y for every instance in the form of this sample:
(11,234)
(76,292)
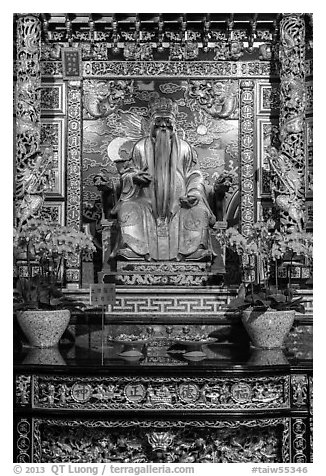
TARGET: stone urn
(268,329)
(43,328)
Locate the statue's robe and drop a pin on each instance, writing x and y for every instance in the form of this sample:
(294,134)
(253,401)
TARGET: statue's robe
(152,221)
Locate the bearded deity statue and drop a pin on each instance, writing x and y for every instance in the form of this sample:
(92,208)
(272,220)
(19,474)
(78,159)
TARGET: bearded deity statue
(162,212)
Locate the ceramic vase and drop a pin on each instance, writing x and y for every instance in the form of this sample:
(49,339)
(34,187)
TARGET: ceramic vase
(269,329)
(43,328)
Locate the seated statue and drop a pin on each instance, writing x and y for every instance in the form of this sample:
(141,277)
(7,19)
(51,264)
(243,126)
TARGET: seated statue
(163,213)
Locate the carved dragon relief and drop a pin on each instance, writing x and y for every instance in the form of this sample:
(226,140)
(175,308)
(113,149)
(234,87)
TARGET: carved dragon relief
(217,98)
(32,182)
(285,186)
(100,98)
(287,166)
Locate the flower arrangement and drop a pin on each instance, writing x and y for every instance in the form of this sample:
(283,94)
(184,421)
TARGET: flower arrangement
(40,249)
(269,246)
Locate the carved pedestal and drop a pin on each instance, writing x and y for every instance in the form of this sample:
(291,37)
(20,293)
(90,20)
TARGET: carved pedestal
(160,273)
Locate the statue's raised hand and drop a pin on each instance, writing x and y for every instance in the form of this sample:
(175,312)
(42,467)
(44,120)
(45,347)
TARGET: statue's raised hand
(189,201)
(142,178)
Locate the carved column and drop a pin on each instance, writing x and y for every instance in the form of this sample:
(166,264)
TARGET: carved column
(292,104)
(247,172)
(247,156)
(74,174)
(28,94)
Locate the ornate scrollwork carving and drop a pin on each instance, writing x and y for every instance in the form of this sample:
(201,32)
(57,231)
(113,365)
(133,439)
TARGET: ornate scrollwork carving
(228,51)
(138,51)
(111,69)
(180,52)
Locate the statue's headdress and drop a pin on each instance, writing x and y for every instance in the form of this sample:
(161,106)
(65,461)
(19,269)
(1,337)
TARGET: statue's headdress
(163,107)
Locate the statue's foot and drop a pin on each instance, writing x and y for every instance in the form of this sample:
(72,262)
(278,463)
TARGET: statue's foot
(200,255)
(127,253)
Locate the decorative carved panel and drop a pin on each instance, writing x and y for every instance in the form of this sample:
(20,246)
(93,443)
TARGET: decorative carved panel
(74,160)
(53,98)
(309,97)
(267,135)
(268,98)
(53,135)
(299,388)
(141,441)
(23,390)
(299,440)
(111,69)
(53,211)
(247,156)
(24,441)
(128,393)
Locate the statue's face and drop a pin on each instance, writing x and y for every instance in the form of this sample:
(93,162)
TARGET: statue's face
(163,123)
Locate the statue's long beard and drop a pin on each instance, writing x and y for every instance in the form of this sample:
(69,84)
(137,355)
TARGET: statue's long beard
(162,153)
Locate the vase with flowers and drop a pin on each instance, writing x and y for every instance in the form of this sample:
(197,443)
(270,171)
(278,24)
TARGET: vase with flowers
(267,311)
(40,250)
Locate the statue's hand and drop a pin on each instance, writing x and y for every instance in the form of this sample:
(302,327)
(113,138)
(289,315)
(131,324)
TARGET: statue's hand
(189,201)
(142,178)
(100,182)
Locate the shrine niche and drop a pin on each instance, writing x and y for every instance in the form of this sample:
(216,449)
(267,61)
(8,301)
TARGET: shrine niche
(117,116)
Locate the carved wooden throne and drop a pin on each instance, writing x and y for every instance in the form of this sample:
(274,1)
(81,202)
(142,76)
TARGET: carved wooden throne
(163,272)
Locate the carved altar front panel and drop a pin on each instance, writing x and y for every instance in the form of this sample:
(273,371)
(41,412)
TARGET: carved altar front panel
(142,441)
